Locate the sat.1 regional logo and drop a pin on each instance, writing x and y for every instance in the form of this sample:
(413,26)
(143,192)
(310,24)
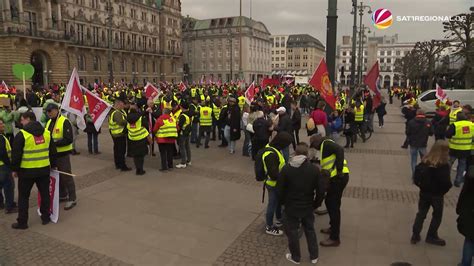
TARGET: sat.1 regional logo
(382,18)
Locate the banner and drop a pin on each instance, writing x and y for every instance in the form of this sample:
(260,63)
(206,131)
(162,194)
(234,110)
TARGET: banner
(440,94)
(250,93)
(182,87)
(151,92)
(98,108)
(321,83)
(372,80)
(73,101)
(53,196)
(270,82)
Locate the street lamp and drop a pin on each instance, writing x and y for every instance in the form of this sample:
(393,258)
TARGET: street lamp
(229,35)
(361,8)
(354,47)
(110,16)
(361,51)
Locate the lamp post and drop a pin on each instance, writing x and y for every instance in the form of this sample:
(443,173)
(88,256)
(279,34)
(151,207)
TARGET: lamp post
(331,38)
(361,51)
(110,16)
(354,47)
(361,9)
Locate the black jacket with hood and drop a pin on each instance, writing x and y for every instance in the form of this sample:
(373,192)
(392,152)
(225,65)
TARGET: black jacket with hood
(18,145)
(418,131)
(297,185)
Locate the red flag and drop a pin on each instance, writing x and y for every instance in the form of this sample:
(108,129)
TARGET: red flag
(98,108)
(250,93)
(270,82)
(373,82)
(151,91)
(321,83)
(440,94)
(182,87)
(73,101)
(4,87)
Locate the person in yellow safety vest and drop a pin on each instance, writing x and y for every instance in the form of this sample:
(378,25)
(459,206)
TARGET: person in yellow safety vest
(270,100)
(359,118)
(460,135)
(117,129)
(335,166)
(205,124)
(184,133)
(216,112)
(193,92)
(167,103)
(138,139)
(455,109)
(33,157)
(242,101)
(205,97)
(6,183)
(62,135)
(194,111)
(166,132)
(273,161)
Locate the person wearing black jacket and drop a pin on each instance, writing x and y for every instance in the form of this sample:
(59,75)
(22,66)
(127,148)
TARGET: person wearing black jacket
(137,148)
(261,128)
(436,182)
(350,127)
(296,123)
(232,120)
(29,176)
(440,123)
(152,112)
(418,130)
(184,132)
(67,187)
(284,125)
(465,210)
(336,186)
(297,185)
(6,182)
(409,113)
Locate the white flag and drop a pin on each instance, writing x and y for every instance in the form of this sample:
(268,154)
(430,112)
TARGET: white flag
(53,196)
(73,101)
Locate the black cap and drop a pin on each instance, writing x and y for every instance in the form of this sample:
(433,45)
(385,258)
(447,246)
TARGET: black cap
(51,106)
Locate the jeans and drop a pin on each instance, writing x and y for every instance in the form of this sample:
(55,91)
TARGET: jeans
(292,224)
(6,184)
(414,151)
(273,207)
(286,153)
(92,142)
(184,149)
(467,252)
(333,203)
(462,165)
(369,118)
(227,136)
(424,204)
(194,132)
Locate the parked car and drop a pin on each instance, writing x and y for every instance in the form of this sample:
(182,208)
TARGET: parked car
(427,100)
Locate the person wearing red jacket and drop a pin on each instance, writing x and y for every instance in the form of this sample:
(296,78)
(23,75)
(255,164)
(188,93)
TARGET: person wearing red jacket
(166,132)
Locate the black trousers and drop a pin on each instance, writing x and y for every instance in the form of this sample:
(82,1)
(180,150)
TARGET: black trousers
(292,224)
(424,204)
(139,161)
(166,154)
(333,203)
(296,138)
(204,130)
(24,189)
(120,148)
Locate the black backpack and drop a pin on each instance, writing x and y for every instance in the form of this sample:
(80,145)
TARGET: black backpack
(260,174)
(422,176)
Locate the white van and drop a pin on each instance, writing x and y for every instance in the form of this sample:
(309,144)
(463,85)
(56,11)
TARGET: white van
(427,100)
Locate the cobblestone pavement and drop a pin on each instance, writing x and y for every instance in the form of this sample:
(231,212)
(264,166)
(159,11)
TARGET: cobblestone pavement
(31,248)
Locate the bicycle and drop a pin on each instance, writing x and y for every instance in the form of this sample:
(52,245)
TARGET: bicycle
(368,133)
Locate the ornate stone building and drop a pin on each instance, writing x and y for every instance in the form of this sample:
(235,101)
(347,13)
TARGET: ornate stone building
(57,35)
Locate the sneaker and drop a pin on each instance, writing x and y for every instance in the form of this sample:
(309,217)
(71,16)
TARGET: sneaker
(314,261)
(278,224)
(273,231)
(189,163)
(63,199)
(288,257)
(19,226)
(69,205)
(181,166)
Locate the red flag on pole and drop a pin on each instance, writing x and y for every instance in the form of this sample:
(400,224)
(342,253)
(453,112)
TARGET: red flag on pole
(73,100)
(98,108)
(321,83)
(182,87)
(440,94)
(250,93)
(151,92)
(373,82)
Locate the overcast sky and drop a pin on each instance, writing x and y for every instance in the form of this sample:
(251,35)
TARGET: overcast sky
(309,16)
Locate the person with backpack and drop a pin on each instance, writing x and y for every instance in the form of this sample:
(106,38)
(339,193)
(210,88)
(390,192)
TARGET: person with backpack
(432,176)
(297,185)
(268,164)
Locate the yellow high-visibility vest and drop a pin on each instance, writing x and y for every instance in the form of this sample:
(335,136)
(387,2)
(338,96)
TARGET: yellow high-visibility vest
(359,114)
(462,140)
(328,163)
(205,118)
(216,110)
(187,121)
(58,133)
(281,163)
(115,128)
(241,102)
(168,129)
(136,131)
(36,150)
(8,147)
(453,115)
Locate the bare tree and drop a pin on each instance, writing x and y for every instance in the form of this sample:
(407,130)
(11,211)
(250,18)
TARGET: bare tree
(430,51)
(460,31)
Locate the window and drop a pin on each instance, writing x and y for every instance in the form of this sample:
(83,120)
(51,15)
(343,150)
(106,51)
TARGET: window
(389,60)
(32,24)
(273,52)
(389,53)
(282,58)
(277,65)
(282,65)
(143,16)
(290,64)
(95,4)
(382,60)
(277,52)
(123,65)
(81,63)
(283,52)
(398,53)
(344,53)
(343,61)
(96,63)
(153,18)
(154,67)
(382,53)
(305,50)
(145,66)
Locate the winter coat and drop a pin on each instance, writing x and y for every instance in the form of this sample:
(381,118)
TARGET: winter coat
(440,181)
(418,131)
(350,126)
(296,119)
(156,128)
(232,114)
(137,148)
(90,127)
(381,111)
(297,185)
(465,206)
(284,124)
(440,123)
(261,127)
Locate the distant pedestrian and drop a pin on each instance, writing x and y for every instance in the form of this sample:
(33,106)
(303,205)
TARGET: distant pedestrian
(350,127)
(418,130)
(300,191)
(434,183)
(296,123)
(381,112)
(284,125)
(320,118)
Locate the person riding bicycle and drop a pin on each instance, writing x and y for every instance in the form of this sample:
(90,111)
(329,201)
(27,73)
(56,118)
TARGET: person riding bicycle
(359,118)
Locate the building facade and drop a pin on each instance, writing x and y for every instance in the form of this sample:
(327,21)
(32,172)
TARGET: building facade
(216,49)
(57,35)
(385,49)
(279,52)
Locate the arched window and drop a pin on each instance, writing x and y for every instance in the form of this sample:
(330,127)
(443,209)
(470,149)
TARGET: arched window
(96,63)
(81,62)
